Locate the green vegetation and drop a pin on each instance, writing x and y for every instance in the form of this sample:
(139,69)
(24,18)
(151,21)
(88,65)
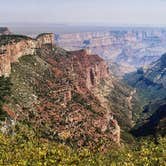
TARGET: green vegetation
(79,99)
(25,149)
(8,39)
(32,80)
(23,76)
(40,35)
(5,91)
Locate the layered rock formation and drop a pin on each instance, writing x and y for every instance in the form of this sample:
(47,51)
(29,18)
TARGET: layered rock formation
(127,47)
(156,72)
(66,96)
(94,67)
(45,38)
(13,47)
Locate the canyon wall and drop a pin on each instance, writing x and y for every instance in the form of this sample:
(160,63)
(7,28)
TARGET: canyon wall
(12,47)
(94,68)
(45,38)
(131,48)
(58,91)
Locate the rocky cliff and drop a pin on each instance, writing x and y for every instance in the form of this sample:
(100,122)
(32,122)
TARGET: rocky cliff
(127,47)
(13,47)
(67,96)
(94,68)
(45,38)
(156,72)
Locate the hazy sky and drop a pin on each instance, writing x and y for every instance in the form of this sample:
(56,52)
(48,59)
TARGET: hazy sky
(112,12)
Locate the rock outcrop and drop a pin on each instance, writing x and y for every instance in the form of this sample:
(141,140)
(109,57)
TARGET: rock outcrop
(59,88)
(69,96)
(94,68)
(45,38)
(13,47)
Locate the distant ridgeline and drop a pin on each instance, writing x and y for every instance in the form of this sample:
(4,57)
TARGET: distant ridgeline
(13,47)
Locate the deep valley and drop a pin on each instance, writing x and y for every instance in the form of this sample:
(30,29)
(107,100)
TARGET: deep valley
(98,96)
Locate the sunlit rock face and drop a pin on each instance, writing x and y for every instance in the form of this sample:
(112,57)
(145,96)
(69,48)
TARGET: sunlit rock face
(95,68)
(45,38)
(12,47)
(134,48)
(64,97)
(156,72)
(69,95)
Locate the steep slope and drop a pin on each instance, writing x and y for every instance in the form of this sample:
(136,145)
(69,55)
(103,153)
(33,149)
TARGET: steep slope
(66,96)
(157,71)
(14,46)
(151,87)
(119,70)
(153,120)
(150,82)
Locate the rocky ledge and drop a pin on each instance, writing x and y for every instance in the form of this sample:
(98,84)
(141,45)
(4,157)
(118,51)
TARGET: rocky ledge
(13,47)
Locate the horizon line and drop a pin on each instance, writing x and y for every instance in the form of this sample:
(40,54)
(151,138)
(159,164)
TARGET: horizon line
(96,24)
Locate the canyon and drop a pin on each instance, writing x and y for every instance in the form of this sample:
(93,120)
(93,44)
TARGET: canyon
(124,49)
(150,81)
(72,96)
(150,85)
(68,96)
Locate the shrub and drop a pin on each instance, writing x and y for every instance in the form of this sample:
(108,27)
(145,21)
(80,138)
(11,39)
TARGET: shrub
(5,91)
(25,148)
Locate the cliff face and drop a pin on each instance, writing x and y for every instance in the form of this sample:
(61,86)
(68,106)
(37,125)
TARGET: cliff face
(68,96)
(150,81)
(157,71)
(130,48)
(13,47)
(93,67)
(54,92)
(11,52)
(45,38)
